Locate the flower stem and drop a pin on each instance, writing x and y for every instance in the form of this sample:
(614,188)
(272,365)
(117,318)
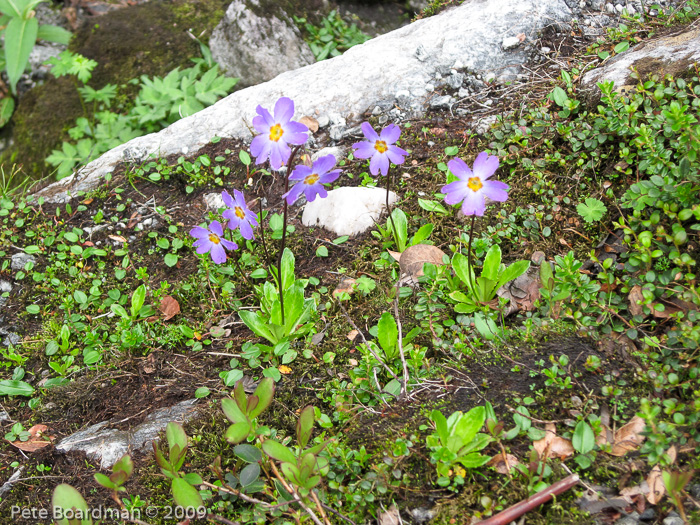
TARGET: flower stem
(470,260)
(284,229)
(391,219)
(262,233)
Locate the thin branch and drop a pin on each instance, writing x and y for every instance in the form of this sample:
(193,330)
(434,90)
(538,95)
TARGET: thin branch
(400,342)
(294,494)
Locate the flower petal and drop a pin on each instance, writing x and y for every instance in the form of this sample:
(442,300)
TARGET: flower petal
(396,154)
(260,147)
(218,254)
(495,190)
(312,190)
(246,230)
(329,177)
(228,200)
(300,172)
(293,194)
(364,149)
(199,233)
(474,204)
(229,245)
(216,227)
(279,154)
(369,132)
(284,110)
(460,169)
(378,163)
(264,121)
(390,134)
(455,192)
(485,165)
(324,164)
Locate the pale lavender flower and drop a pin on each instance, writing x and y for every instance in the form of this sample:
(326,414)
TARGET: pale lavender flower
(238,214)
(275,133)
(311,179)
(473,185)
(380,149)
(211,240)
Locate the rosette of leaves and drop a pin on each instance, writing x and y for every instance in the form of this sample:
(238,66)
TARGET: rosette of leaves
(242,410)
(268,322)
(457,440)
(493,276)
(302,467)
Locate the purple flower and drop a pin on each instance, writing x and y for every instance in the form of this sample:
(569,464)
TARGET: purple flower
(212,240)
(380,148)
(311,180)
(275,133)
(238,214)
(473,186)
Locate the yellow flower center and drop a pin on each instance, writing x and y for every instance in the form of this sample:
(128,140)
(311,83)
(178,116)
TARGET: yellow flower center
(474,184)
(380,146)
(214,238)
(239,212)
(276,132)
(311,179)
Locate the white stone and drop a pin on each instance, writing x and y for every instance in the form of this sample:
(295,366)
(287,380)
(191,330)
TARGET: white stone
(352,83)
(214,201)
(337,151)
(347,211)
(510,43)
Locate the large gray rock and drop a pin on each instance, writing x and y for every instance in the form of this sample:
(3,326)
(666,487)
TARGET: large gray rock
(405,61)
(256,44)
(669,55)
(107,445)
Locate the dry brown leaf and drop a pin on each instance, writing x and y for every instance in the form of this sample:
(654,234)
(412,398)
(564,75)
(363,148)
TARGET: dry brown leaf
(117,238)
(635,297)
(347,285)
(628,437)
(657,491)
(396,255)
(630,492)
(502,464)
(169,307)
(133,220)
(553,446)
(310,123)
(149,365)
(38,439)
(352,334)
(414,257)
(390,517)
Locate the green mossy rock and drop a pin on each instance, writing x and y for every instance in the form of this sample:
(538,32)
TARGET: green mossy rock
(147,39)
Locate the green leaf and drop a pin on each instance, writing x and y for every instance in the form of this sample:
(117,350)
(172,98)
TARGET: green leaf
(422,233)
(322,251)
(33,309)
(175,434)
(185,495)
(20,37)
(201,392)
(278,451)
(460,263)
(245,158)
(12,8)
(66,498)
(54,34)
(387,333)
(137,300)
(237,432)
(249,474)
(232,411)
(485,326)
(473,460)
(492,263)
(559,96)
(287,269)
(305,426)
(583,439)
(264,392)
(401,224)
(248,453)
(10,387)
(432,206)
(512,272)
(440,425)
(257,324)
(592,211)
(7,107)
(119,310)
(171,259)
(622,47)
(469,424)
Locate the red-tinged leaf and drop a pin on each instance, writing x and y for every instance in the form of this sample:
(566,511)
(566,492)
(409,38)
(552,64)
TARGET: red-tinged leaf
(169,307)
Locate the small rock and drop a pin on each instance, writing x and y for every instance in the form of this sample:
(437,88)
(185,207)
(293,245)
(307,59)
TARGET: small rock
(422,514)
(442,102)
(510,42)
(4,416)
(648,515)
(630,519)
(20,260)
(376,111)
(214,201)
(323,121)
(619,8)
(609,8)
(347,211)
(537,257)
(11,339)
(463,92)
(5,286)
(544,50)
(598,4)
(421,53)
(673,520)
(337,151)
(455,80)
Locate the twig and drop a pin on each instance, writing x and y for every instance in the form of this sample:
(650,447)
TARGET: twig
(543,496)
(221,519)
(320,508)
(400,342)
(327,507)
(235,492)
(535,420)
